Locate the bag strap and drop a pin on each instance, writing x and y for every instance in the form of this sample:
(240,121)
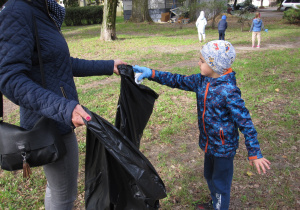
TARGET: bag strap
(38,46)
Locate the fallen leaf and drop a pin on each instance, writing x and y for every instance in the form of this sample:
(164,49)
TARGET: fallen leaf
(249,173)
(277,90)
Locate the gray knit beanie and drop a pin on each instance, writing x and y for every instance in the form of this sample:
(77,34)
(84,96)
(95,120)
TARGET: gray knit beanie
(219,55)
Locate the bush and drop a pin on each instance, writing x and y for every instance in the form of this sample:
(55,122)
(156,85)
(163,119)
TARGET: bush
(76,16)
(243,17)
(292,15)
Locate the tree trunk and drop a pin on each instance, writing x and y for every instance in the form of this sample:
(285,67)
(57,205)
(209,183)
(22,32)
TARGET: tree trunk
(234,4)
(108,28)
(140,12)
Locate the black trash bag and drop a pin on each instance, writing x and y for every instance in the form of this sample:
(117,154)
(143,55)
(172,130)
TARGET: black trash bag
(142,183)
(118,175)
(134,107)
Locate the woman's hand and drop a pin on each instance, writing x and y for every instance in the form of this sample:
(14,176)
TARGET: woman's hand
(116,63)
(262,163)
(77,115)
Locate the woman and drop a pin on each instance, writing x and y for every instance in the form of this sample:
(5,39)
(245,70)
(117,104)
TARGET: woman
(256,27)
(20,81)
(200,24)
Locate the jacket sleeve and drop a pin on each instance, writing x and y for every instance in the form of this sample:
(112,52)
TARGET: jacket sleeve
(262,26)
(182,82)
(225,25)
(82,68)
(197,22)
(251,28)
(243,120)
(16,50)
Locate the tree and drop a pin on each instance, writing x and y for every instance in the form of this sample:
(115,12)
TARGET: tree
(108,28)
(140,12)
(215,8)
(211,8)
(244,16)
(71,3)
(234,4)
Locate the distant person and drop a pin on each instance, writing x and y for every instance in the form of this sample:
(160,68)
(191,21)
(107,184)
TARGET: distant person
(222,26)
(221,115)
(256,27)
(200,24)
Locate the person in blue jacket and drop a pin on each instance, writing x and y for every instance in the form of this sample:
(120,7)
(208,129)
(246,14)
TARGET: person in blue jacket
(256,27)
(221,114)
(222,26)
(20,81)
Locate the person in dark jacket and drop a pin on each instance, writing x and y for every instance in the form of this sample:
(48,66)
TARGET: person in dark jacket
(20,81)
(222,26)
(256,27)
(221,113)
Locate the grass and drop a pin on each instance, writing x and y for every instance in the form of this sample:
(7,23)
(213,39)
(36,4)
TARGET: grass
(268,79)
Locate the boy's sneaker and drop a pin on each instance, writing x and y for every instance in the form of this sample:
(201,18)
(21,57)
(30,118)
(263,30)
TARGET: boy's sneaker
(205,206)
(258,46)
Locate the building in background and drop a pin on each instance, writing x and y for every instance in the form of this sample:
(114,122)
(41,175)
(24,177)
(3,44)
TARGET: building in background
(156,8)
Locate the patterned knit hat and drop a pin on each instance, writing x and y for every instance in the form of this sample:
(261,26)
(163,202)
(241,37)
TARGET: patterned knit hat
(219,55)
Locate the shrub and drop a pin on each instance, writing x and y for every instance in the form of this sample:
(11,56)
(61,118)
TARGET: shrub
(292,15)
(244,16)
(76,16)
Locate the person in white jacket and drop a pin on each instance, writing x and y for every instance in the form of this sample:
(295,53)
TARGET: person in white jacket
(200,24)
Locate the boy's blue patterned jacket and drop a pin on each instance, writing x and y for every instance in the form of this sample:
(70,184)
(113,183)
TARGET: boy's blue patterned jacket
(221,112)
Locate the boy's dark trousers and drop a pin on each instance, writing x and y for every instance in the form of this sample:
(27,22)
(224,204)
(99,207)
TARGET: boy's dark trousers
(221,34)
(218,172)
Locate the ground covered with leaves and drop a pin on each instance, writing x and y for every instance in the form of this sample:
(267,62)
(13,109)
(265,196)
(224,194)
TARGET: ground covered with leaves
(268,78)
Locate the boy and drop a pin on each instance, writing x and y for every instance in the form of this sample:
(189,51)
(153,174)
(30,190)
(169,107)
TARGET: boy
(222,26)
(221,112)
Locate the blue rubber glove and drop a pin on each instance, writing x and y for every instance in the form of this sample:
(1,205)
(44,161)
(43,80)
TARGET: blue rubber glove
(266,30)
(146,72)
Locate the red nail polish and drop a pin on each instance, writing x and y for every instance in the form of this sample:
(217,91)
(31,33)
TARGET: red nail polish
(88,118)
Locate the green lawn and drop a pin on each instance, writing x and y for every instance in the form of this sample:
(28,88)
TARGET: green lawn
(269,81)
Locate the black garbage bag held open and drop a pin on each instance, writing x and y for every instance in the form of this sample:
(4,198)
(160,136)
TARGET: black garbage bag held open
(134,107)
(117,174)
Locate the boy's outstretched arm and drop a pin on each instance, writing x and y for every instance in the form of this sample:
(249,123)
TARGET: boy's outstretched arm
(261,163)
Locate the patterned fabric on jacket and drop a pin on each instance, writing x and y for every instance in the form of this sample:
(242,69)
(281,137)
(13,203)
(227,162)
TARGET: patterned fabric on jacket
(57,12)
(221,112)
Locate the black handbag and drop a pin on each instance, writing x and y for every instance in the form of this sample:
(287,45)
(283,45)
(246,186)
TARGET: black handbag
(21,148)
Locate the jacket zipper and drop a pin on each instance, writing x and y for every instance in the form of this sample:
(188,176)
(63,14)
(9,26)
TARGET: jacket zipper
(204,109)
(222,136)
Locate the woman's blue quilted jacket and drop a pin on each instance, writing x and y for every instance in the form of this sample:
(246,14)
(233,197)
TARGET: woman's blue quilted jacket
(221,112)
(20,78)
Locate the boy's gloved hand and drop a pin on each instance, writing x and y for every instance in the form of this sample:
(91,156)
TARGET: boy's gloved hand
(146,72)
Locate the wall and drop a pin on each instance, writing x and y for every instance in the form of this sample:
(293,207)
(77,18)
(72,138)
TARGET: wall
(156,7)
